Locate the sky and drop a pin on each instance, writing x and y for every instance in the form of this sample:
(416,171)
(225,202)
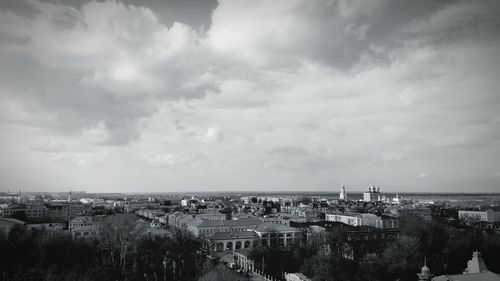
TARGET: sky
(234,95)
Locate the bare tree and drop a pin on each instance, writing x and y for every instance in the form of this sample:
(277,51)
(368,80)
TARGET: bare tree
(117,235)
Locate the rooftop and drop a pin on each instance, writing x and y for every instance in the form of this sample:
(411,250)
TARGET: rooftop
(10,221)
(482,276)
(273,227)
(234,234)
(239,222)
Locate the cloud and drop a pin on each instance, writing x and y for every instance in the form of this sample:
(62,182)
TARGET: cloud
(296,92)
(107,63)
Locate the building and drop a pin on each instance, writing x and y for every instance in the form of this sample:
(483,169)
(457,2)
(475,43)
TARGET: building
(190,202)
(232,241)
(476,271)
(372,194)
(342,195)
(207,228)
(150,214)
(32,210)
(211,216)
(80,221)
(353,219)
(243,260)
(134,206)
(6,225)
(64,211)
(471,217)
(358,239)
(83,227)
(359,219)
(277,235)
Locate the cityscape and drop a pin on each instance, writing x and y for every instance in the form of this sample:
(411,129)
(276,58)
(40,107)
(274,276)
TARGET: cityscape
(249,140)
(251,236)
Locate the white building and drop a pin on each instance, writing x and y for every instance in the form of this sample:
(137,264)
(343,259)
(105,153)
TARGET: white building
(345,218)
(277,235)
(490,216)
(357,219)
(342,195)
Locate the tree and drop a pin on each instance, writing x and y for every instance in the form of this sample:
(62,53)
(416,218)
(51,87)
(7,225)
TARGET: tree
(117,234)
(218,273)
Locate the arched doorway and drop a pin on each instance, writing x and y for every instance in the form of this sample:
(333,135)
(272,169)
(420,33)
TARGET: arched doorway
(238,245)
(246,244)
(229,246)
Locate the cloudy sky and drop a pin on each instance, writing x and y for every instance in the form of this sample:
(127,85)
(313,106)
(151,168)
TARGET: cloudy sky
(250,95)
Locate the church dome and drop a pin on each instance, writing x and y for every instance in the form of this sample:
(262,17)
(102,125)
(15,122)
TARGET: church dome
(426,270)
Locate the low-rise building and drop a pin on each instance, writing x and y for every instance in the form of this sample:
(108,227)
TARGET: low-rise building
(231,241)
(243,260)
(206,228)
(83,227)
(277,235)
(472,217)
(32,210)
(64,211)
(353,219)
(359,219)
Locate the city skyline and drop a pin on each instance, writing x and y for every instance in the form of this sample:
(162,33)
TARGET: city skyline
(194,96)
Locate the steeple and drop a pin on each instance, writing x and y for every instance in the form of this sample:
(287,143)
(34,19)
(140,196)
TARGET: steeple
(342,195)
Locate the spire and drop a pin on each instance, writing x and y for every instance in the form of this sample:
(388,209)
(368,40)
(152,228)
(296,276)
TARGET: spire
(342,195)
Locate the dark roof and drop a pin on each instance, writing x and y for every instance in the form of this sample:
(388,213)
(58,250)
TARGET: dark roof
(11,221)
(273,227)
(240,222)
(233,235)
(350,214)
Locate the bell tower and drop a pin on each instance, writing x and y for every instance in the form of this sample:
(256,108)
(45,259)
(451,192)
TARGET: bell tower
(342,195)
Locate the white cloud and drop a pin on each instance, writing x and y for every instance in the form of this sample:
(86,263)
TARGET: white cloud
(296,92)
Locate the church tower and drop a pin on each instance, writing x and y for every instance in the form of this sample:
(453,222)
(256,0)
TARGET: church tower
(342,195)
